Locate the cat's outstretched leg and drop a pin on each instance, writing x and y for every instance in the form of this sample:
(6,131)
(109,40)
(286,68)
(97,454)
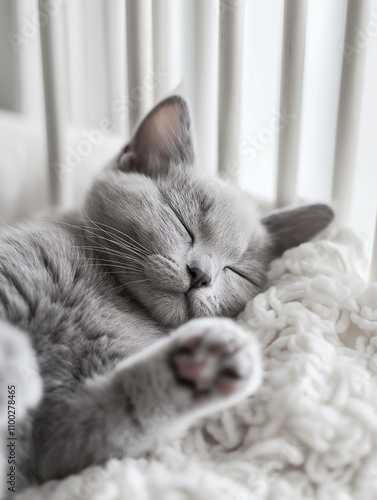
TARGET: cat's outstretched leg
(205,365)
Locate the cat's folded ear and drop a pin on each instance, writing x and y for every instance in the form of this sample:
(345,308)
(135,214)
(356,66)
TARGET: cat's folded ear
(162,141)
(290,228)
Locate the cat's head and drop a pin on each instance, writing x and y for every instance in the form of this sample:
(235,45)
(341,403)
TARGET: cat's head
(185,245)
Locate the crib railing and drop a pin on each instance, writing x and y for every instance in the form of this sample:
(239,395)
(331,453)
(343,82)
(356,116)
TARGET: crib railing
(144,45)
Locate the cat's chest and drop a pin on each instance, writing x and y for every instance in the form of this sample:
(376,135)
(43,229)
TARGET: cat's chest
(77,326)
(91,334)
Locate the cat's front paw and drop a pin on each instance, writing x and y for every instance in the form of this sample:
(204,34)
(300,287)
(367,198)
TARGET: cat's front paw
(216,356)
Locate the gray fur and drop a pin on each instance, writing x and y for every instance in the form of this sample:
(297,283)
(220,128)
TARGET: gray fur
(98,294)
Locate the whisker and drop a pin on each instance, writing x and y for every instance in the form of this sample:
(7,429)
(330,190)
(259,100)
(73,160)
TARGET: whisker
(96,259)
(129,283)
(138,245)
(290,228)
(116,272)
(125,268)
(113,252)
(119,242)
(120,268)
(114,204)
(124,246)
(102,248)
(96,247)
(124,257)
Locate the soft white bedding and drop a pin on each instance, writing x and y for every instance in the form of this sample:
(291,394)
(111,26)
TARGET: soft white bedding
(311,430)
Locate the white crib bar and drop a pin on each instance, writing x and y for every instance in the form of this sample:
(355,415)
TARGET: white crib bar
(231,36)
(292,75)
(373,266)
(206,84)
(139,58)
(116,53)
(52,48)
(349,111)
(163,44)
(95,62)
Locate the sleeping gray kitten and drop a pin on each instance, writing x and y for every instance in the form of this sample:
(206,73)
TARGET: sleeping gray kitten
(114,307)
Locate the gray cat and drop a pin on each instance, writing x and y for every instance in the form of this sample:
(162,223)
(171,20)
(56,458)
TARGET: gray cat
(112,309)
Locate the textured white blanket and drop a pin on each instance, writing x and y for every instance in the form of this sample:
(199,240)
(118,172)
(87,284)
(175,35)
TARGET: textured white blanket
(311,430)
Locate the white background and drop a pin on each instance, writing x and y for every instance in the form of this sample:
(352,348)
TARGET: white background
(95,70)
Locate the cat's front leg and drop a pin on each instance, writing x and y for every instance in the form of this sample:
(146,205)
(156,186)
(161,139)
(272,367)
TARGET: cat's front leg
(206,365)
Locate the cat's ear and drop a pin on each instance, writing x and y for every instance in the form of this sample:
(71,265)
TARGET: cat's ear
(290,228)
(162,141)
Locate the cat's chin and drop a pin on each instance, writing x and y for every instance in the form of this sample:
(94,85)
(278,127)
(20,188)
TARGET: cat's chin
(181,308)
(169,310)
(199,305)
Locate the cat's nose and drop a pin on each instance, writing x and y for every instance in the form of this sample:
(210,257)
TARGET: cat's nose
(199,278)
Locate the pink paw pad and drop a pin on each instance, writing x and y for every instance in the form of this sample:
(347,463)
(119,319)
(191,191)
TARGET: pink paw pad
(208,362)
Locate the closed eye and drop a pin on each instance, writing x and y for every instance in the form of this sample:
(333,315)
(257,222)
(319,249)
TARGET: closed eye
(183,224)
(242,276)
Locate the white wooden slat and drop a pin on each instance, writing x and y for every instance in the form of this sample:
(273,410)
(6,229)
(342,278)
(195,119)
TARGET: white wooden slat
(173,44)
(54,79)
(163,45)
(94,64)
(292,72)
(373,266)
(29,56)
(206,84)
(349,110)
(187,52)
(10,91)
(116,64)
(88,62)
(231,37)
(139,58)
(75,20)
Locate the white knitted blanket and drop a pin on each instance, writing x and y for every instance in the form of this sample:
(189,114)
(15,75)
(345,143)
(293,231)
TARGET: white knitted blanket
(310,431)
